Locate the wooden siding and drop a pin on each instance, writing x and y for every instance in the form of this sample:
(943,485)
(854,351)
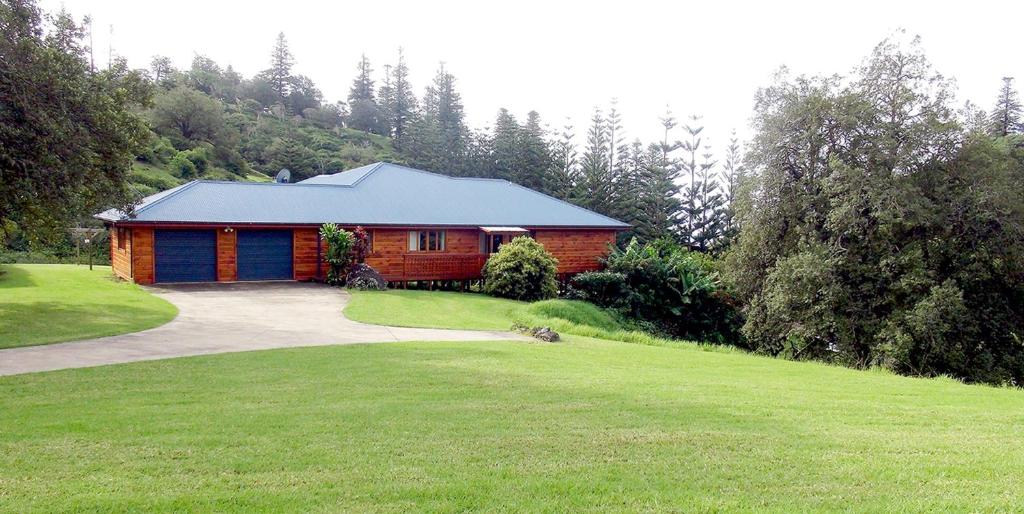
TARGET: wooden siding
(391,245)
(142,255)
(121,260)
(227,256)
(304,253)
(576,250)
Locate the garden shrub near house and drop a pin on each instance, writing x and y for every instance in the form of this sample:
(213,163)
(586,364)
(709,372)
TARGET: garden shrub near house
(665,285)
(522,270)
(339,243)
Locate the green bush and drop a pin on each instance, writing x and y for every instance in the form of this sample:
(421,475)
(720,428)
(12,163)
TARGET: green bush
(182,166)
(604,288)
(522,270)
(339,243)
(664,288)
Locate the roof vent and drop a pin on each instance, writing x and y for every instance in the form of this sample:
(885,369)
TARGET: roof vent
(283,176)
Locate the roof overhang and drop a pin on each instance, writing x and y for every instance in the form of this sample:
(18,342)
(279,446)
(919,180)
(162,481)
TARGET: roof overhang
(504,230)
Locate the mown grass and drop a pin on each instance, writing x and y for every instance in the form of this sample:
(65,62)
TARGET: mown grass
(432,309)
(442,309)
(584,425)
(49,303)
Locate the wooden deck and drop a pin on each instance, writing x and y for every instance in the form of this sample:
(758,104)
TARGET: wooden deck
(441,266)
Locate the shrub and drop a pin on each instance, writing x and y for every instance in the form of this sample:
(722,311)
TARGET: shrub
(604,288)
(363,276)
(522,270)
(339,243)
(360,245)
(667,285)
(183,167)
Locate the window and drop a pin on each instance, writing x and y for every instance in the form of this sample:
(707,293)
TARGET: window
(122,238)
(426,240)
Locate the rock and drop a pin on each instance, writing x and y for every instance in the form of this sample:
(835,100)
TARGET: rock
(546,334)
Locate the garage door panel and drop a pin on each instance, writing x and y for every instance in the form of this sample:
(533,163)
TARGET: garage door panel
(265,255)
(185,255)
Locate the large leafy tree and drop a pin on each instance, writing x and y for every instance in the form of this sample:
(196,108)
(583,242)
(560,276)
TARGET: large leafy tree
(874,233)
(68,135)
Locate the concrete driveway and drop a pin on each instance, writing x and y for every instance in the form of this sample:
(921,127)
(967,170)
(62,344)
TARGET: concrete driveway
(220,318)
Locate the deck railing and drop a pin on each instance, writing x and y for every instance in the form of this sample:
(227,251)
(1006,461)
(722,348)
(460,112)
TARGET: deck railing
(442,266)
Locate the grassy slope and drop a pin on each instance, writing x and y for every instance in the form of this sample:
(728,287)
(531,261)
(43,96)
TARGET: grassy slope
(582,425)
(43,303)
(438,309)
(405,308)
(149,179)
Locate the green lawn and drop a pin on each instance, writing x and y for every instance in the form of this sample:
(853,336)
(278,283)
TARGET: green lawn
(49,303)
(432,309)
(582,425)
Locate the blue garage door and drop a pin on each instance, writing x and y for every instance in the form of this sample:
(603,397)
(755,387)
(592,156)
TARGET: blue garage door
(186,255)
(264,255)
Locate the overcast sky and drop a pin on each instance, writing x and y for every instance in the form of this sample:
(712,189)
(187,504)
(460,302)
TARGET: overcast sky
(564,59)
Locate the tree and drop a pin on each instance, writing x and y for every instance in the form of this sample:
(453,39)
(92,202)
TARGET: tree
(872,232)
(362,86)
(1007,117)
(504,147)
(562,172)
(691,170)
(302,94)
(660,202)
(365,114)
(188,117)
(205,75)
(594,188)
(442,104)
(535,157)
(400,105)
(280,72)
(161,69)
(68,135)
(732,176)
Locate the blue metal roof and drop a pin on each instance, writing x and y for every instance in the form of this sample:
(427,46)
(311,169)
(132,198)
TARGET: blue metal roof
(378,194)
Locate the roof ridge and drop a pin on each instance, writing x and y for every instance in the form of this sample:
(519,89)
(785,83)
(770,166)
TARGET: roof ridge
(442,175)
(376,166)
(183,187)
(291,184)
(570,204)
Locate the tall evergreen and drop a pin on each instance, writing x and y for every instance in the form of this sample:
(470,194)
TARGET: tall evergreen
(442,106)
(364,112)
(1007,116)
(732,175)
(535,161)
(709,223)
(690,209)
(399,100)
(362,86)
(563,166)
(593,190)
(505,146)
(280,72)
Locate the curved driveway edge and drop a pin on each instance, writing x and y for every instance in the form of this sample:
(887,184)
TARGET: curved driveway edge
(222,318)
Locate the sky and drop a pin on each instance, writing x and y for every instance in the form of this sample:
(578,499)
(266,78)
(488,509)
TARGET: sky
(563,59)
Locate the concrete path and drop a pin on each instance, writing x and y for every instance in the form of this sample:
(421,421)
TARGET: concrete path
(221,318)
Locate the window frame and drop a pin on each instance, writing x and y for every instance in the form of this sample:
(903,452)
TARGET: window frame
(424,239)
(122,238)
